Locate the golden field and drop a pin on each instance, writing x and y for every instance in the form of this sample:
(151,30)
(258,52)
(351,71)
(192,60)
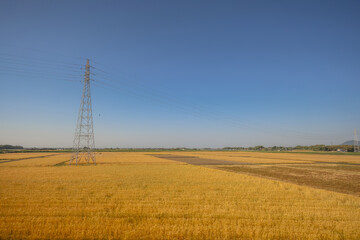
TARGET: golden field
(140,196)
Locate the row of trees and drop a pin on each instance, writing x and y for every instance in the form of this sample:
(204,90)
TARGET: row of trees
(332,148)
(345,148)
(260,148)
(2,147)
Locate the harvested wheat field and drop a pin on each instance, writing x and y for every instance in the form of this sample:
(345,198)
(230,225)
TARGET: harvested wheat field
(180,195)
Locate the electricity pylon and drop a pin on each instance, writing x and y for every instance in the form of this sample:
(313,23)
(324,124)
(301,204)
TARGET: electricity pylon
(84,142)
(356,141)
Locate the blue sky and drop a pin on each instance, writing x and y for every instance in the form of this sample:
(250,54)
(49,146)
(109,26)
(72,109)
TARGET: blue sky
(181,73)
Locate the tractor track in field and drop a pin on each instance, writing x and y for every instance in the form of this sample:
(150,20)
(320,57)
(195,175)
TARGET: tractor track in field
(27,158)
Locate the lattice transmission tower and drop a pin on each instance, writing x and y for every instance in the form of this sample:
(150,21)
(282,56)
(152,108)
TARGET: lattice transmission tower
(84,142)
(356,141)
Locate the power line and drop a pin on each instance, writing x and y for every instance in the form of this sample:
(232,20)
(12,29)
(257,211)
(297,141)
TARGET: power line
(214,115)
(193,110)
(49,74)
(36,64)
(42,60)
(32,49)
(26,76)
(132,87)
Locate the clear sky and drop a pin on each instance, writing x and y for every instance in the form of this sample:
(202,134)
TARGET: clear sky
(181,73)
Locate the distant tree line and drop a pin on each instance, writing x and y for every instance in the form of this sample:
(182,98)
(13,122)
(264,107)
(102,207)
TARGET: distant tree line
(2,147)
(329,148)
(260,148)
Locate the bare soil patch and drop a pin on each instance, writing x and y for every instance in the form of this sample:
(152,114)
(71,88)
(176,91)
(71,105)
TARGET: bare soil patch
(334,178)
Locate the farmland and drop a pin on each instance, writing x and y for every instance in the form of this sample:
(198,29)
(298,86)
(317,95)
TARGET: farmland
(180,195)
